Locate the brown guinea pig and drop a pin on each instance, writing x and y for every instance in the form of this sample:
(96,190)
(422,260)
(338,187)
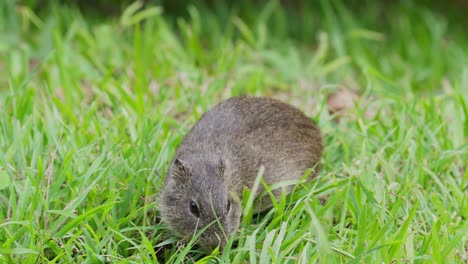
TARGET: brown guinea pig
(222,154)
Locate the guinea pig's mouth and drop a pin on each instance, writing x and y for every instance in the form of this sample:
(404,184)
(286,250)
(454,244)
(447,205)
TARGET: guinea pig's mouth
(210,241)
(212,235)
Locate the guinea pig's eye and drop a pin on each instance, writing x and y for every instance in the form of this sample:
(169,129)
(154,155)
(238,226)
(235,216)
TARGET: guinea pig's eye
(228,205)
(194,209)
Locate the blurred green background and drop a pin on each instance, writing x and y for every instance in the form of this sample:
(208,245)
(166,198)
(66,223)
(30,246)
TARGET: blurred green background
(95,96)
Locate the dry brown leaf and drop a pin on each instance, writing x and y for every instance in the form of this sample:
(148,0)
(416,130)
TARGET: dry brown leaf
(340,102)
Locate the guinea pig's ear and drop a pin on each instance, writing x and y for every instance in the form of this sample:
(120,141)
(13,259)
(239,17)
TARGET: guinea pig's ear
(181,169)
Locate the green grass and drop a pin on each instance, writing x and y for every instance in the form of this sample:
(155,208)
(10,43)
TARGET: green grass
(92,110)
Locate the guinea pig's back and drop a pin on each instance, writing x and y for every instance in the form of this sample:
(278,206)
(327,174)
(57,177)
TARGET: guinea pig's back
(280,137)
(246,115)
(265,131)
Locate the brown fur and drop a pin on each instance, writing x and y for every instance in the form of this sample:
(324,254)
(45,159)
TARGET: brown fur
(222,154)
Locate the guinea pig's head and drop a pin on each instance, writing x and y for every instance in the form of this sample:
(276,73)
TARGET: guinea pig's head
(196,197)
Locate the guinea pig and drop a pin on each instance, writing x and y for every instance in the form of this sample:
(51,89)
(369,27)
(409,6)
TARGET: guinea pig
(222,154)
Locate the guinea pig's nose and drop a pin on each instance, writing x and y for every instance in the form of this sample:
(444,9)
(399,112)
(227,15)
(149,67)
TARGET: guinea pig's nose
(221,239)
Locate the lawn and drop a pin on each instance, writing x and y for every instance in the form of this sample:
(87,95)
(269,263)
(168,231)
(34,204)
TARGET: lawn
(93,104)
